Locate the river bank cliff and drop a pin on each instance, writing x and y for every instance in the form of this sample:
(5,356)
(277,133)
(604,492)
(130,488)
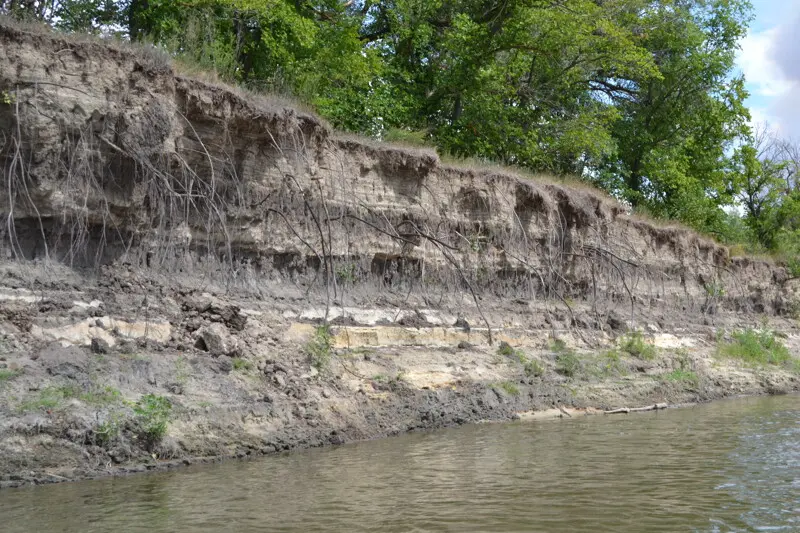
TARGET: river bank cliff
(193,272)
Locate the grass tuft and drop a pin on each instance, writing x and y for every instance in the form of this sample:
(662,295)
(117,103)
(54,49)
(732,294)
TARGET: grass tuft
(687,377)
(152,414)
(634,345)
(756,346)
(568,364)
(52,397)
(610,364)
(7,375)
(319,347)
(242,364)
(508,387)
(531,367)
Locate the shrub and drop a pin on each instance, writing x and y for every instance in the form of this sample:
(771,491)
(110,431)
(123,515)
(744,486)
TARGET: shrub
(558,345)
(635,345)
(505,349)
(568,364)
(533,368)
(610,363)
(508,387)
(6,375)
(152,414)
(319,347)
(107,432)
(241,364)
(756,346)
(682,376)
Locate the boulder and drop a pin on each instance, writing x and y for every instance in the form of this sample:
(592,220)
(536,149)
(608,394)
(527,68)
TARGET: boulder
(216,340)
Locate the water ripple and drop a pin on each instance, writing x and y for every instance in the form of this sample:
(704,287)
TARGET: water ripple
(730,466)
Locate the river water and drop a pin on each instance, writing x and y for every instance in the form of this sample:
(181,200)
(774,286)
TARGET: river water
(726,466)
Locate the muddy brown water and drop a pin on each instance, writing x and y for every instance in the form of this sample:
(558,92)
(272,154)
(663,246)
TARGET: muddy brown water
(726,466)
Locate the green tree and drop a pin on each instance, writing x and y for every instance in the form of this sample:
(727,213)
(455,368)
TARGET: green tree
(677,129)
(86,16)
(511,82)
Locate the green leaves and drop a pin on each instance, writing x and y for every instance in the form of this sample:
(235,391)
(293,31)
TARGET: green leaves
(152,414)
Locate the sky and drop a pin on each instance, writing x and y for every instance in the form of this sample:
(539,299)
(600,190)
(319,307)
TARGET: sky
(770,60)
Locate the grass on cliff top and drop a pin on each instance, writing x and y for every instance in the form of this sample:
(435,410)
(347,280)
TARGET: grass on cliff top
(156,58)
(756,346)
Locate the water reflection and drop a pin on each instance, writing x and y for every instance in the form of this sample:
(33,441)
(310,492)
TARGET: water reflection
(730,466)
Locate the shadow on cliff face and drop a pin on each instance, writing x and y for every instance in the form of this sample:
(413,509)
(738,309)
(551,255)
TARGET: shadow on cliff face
(165,237)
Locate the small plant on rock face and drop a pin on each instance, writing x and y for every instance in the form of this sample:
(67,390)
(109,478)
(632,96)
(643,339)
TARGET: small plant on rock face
(558,345)
(568,364)
(6,375)
(108,431)
(181,370)
(346,273)
(505,349)
(508,387)
(756,346)
(152,414)
(53,397)
(683,358)
(47,399)
(635,345)
(533,368)
(319,347)
(611,364)
(682,376)
(241,364)
(714,289)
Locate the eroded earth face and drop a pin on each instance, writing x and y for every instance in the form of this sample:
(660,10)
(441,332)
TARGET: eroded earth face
(180,243)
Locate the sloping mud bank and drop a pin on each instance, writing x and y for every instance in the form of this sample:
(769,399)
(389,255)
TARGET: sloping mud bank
(173,250)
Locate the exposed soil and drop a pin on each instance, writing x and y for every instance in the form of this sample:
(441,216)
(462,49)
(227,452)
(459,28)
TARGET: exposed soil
(240,379)
(170,237)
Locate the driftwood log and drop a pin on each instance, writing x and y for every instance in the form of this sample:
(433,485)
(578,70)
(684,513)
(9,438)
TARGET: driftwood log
(654,407)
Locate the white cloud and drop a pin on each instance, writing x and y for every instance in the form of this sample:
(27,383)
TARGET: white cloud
(770,61)
(761,70)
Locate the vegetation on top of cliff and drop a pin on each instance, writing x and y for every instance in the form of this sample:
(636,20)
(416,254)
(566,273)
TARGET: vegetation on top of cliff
(638,97)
